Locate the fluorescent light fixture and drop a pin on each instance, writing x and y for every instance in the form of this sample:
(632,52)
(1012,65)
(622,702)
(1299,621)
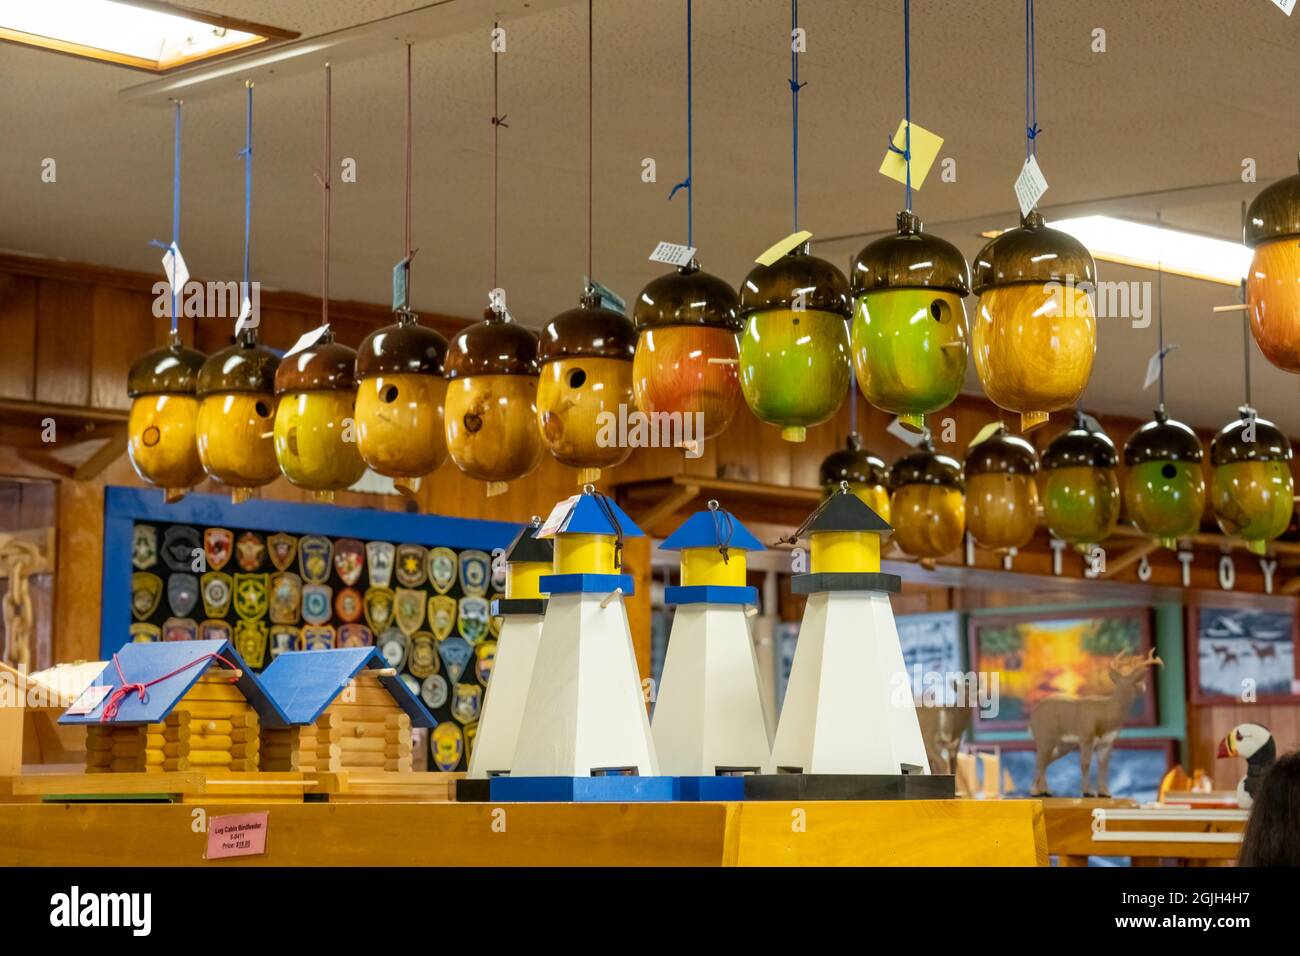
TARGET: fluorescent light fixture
(143,34)
(1158,247)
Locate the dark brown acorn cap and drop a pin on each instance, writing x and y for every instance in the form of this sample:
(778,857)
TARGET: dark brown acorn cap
(773,287)
(924,467)
(1002,454)
(854,464)
(245,366)
(1079,447)
(325,366)
(1230,444)
(910,259)
(589,331)
(496,346)
(406,347)
(1162,439)
(687,296)
(1031,253)
(1275,212)
(172,369)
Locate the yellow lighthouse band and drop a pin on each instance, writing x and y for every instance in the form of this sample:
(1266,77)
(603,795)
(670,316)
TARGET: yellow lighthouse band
(522,579)
(704,566)
(845,552)
(584,554)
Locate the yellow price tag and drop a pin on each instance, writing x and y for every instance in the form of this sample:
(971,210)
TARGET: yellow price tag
(925,147)
(792,241)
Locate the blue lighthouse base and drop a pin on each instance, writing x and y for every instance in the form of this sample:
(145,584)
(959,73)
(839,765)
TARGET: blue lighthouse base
(610,789)
(704,789)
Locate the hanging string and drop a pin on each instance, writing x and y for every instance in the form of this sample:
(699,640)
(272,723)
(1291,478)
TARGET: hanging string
(906,151)
(325,208)
(1245,328)
(176,221)
(689,182)
(410,252)
(1031,84)
(498,123)
(795,87)
(853,401)
(591,164)
(1160,310)
(247,154)
(724,526)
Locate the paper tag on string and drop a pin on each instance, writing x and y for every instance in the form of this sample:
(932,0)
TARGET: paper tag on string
(924,148)
(307,340)
(246,318)
(788,244)
(1030,186)
(1089,423)
(402,284)
(904,434)
(670,253)
(89,699)
(556,518)
(1153,366)
(985,433)
(1286,6)
(174,266)
(609,299)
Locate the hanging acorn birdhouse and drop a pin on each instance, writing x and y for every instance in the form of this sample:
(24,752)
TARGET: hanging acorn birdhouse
(585,359)
(1081,501)
(1001,492)
(491,415)
(1252,490)
(794,350)
(1273,282)
(164,413)
(909,322)
(236,390)
(687,355)
(400,397)
(866,475)
(927,506)
(315,441)
(1164,486)
(1034,335)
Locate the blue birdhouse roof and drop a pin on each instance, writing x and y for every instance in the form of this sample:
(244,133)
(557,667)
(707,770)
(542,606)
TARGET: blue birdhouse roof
(587,516)
(146,662)
(701,529)
(305,683)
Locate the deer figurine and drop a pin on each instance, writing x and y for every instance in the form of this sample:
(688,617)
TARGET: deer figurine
(942,729)
(1059,724)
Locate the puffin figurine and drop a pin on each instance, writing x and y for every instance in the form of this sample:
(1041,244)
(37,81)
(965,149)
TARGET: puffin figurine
(1255,744)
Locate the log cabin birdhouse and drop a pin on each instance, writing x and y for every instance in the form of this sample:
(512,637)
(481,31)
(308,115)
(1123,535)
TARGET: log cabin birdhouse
(31,737)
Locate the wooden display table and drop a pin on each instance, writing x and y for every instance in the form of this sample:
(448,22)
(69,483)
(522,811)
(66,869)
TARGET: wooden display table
(883,833)
(1078,829)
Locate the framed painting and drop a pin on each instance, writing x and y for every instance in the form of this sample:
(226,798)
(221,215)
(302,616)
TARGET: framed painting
(1236,655)
(1037,655)
(932,648)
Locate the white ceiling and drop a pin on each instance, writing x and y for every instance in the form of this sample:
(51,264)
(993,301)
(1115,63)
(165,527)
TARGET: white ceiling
(1161,121)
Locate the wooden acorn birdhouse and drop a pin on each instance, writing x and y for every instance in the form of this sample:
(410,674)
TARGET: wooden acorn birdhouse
(1034,333)
(1273,281)
(687,354)
(909,323)
(491,411)
(161,427)
(1164,486)
(927,504)
(315,442)
(401,394)
(866,474)
(347,710)
(1001,493)
(1081,499)
(236,389)
(584,356)
(1252,490)
(794,351)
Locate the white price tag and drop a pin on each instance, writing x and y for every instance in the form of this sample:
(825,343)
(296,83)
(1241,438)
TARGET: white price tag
(89,699)
(672,254)
(556,518)
(904,434)
(1090,423)
(1286,6)
(1030,186)
(174,266)
(1153,366)
(246,318)
(985,433)
(307,340)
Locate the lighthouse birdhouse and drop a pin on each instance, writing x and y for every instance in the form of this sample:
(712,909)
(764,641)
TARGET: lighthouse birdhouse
(843,712)
(927,504)
(161,426)
(315,439)
(1001,491)
(491,412)
(1251,487)
(236,390)
(909,322)
(794,350)
(401,394)
(1273,281)
(521,611)
(866,474)
(1081,499)
(1164,486)
(687,354)
(585,714)
(1034,334)
(585,356)
(709,717)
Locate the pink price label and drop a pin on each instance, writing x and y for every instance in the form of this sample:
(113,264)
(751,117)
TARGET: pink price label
(236,834)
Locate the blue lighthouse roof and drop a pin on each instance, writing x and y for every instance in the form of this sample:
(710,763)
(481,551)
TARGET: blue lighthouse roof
(587,515)
(701,530)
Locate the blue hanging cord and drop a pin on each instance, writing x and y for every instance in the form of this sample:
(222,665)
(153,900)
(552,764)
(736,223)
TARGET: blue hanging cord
(690,138)
(795,87)
(906,151)
(724,526)
(247,154)
(1031,91)
(176,219)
